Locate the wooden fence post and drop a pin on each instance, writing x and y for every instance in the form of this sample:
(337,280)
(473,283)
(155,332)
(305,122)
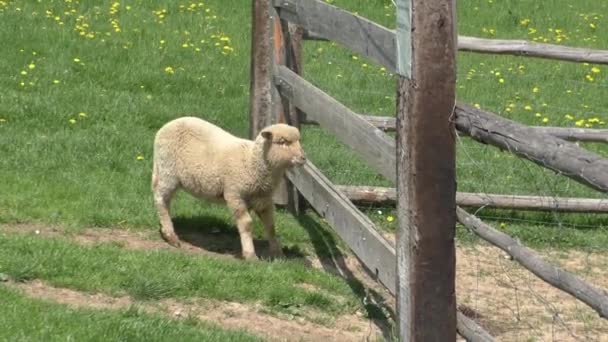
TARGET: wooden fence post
(260,95)
(268,49)
(426,184)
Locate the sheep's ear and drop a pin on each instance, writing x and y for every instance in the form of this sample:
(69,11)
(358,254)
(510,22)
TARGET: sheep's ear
(266,134)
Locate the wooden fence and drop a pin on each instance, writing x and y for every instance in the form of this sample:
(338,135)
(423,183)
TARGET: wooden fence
(419,269)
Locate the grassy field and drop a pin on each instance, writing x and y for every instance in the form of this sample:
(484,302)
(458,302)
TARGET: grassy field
(53,322)
(85,85)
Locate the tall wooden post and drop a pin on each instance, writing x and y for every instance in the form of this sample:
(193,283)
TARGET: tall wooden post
(260,90)
(272,44)
(426,182)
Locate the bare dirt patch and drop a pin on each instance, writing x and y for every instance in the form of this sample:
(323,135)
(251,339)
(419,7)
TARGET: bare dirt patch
(228,315)
(515,305)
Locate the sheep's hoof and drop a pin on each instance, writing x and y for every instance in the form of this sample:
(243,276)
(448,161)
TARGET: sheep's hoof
(171,240)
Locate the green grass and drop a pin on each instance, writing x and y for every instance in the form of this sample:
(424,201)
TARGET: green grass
(163,274)
(165,64)
(85,86)
(26,319)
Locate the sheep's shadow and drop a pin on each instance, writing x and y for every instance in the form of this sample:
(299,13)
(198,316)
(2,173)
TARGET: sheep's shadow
(217,235)
(333,261)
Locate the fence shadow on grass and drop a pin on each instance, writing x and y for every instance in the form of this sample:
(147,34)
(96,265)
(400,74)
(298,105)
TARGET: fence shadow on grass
(334,261)
(217,235)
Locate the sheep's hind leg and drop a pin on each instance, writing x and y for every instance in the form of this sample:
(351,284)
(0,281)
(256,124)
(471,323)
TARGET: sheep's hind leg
(245,226)
(163,193)
(267,217)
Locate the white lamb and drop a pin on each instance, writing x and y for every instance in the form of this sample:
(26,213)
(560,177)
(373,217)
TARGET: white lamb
(212,164)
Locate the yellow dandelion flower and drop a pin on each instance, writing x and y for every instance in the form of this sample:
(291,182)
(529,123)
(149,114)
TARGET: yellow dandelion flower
(82,114)
(170,70)
(569,117)
(76,60)
(538,115)
(72,121)
(390,218)
(592,25)
(545,120)
(595,70)
(477,106)
(535,90)
(382,69)
(139,157)
(23,72)
(56,81)
(32,66)
(501,80)
(579,123)
(589,78)
(2,120)
(355,58)
(364,65)
(528,107)
(503,225)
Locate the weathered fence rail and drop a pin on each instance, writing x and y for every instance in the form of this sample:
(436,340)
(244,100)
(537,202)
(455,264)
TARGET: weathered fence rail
(372,144)
(408,275)
(356,229)
(545,150)
(388,196)
(596,298)
(389,124)
(513,47)
(532,49)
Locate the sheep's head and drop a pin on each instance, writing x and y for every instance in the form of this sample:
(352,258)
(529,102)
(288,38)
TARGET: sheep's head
(282,145)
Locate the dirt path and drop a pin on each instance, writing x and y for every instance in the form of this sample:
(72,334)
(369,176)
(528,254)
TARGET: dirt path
(228,315)
(510,302)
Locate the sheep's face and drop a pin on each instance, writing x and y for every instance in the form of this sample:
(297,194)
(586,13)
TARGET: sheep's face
(283,146)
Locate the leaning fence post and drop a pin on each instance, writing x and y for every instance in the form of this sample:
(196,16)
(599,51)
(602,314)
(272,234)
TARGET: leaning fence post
(426,184)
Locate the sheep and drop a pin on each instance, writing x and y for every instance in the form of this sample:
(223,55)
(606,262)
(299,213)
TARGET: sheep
(212,164)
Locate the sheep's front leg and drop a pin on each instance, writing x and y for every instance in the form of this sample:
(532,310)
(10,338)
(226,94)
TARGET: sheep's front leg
(245,226)
(267,217)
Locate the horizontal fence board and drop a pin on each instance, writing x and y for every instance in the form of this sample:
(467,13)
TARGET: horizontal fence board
(353,227)
(355,32)
(375,147)
(543,149)
(575,134)
(383,195)
(532,49)
(360,234)
(512,47)
(596,298)
(388,124)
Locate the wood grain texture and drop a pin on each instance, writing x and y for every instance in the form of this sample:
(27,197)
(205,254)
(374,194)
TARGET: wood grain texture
(543,149)
(388,196)
(375,147)
(426,178)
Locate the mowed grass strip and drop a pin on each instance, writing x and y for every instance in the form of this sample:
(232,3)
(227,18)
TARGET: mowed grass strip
(26,319)
(165,274)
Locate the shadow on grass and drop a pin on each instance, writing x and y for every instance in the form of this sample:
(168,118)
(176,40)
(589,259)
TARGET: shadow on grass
(333,261)
(218,235)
